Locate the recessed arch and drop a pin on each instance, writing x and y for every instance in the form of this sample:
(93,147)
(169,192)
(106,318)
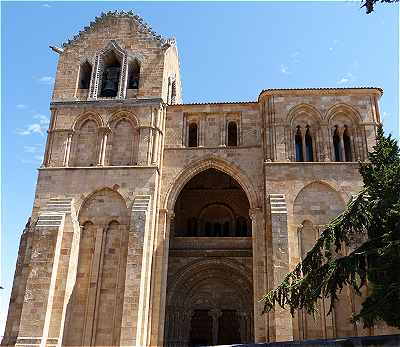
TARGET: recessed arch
(121,114)
(317,202)
(196,167)
(303,110)
(82,118)
(340,109)
(80,203)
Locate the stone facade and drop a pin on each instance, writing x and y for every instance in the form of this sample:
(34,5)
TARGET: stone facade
(161,223)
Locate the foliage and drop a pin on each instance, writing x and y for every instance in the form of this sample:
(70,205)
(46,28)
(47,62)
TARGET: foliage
(369,4)
(369,231)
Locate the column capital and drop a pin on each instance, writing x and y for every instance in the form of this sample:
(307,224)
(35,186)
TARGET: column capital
(253,213)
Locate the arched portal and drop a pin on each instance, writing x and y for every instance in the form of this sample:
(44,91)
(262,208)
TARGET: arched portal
(209,283)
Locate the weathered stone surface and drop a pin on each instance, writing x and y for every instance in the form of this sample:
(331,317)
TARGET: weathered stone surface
(156,222)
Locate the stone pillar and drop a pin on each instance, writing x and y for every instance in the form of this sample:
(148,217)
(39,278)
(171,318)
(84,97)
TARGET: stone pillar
(326,139)
(259,273)
(200,132)
(215,314)
(280,259)
(135,309)
(67,150)
(159,280)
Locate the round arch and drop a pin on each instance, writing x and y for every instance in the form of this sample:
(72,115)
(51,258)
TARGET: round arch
(307,189)
(343,108)
(123,114)
(188,172)
(82,118)
(82,201)
(301,109)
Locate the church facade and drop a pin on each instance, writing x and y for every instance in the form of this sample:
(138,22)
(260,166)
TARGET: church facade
(158,223)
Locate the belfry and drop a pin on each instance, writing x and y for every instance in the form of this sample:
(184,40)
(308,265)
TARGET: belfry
(160,223)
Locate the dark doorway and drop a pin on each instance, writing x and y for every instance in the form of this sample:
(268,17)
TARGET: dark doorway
(228,328)
(201,328)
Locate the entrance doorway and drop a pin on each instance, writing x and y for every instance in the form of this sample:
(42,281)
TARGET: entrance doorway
(209,284)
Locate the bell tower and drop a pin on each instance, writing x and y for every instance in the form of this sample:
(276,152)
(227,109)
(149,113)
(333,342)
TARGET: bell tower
(84,266)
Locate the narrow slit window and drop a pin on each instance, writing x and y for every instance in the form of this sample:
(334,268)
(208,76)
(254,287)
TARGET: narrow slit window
(336,144)
(85,73)
(309,145)
(232,134)
(347,145)
(192,135)
(299,145)
(133,75)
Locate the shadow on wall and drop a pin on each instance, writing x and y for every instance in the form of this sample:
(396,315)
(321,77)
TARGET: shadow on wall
(364,341)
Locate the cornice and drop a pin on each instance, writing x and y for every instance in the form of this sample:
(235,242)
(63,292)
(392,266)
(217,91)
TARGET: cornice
(321,92)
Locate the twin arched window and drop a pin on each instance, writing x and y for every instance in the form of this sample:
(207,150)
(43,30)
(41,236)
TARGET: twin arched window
(342,147)
(304,150)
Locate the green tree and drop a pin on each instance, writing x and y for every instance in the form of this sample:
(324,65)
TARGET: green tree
(369,4)
(372,216)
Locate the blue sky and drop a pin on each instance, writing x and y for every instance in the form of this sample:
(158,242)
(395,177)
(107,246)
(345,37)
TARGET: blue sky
(228,52)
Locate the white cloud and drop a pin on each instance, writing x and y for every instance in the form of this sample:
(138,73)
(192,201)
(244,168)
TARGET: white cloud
(44,120)
(46,80)
(34,128)
(46,5)
(284,69)
(21,106)
(348,77)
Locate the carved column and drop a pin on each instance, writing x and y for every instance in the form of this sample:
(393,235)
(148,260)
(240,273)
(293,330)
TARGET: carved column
(341,145)
(280,259)
(67,150)
(215,314)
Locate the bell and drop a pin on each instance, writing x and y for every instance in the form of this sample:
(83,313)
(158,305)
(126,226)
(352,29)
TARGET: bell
(109,88)
(110,84)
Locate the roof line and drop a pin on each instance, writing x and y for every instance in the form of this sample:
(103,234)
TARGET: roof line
(331,89)
(142,26)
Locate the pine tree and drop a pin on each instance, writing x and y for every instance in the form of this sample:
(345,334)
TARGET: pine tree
(374,216)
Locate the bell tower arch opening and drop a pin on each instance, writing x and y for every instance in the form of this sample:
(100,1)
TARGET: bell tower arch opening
(209,281)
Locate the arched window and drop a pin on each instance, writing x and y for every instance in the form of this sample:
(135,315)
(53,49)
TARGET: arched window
(85,73)
(232,134)
(110,76)
(336,144)
(241,227)
(133,75)
(309,145)
(299,145)
(192,135)
(347,144)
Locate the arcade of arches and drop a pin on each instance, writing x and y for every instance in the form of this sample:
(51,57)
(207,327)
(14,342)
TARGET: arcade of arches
(209,286)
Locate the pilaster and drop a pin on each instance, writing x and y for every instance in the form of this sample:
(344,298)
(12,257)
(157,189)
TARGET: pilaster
(280,262)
